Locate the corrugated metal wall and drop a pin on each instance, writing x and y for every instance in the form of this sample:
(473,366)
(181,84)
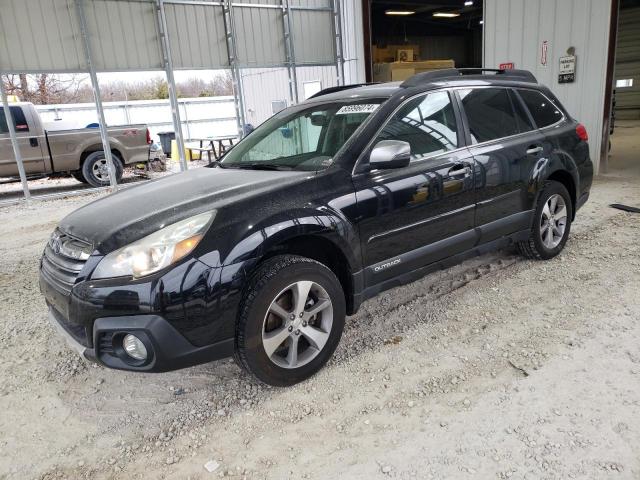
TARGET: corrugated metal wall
(124,35)
(262,86)
(206,46)
(44,35)
(628,64)
(40,35)
(353,41)
(515,30)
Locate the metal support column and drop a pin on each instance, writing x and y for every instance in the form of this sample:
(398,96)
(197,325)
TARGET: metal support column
(337,32)
(171,82)
(236,77)
(289,51)
(102,124)
(14,141)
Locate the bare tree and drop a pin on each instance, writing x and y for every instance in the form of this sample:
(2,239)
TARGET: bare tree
(45,88)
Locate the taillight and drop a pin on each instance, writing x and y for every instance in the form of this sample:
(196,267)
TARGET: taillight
(582,132)
(148,137)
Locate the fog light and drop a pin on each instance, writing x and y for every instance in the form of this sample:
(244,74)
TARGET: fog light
(134,347)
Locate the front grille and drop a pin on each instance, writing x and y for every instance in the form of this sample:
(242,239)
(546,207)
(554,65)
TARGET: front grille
(63,259)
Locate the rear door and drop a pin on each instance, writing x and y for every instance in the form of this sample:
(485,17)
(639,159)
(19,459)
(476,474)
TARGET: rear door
(29,142)
(416,215)
(507,149)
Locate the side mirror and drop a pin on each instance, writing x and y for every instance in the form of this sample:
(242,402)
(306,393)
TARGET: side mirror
(390,154)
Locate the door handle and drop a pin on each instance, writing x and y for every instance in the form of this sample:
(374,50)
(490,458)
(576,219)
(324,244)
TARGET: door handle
(532,150)
(459,170)
(33,142)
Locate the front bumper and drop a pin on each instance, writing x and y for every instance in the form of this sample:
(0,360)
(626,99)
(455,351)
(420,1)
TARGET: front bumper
(167,348)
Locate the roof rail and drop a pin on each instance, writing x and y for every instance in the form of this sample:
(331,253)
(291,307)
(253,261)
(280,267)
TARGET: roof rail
(339,88)
(456,73)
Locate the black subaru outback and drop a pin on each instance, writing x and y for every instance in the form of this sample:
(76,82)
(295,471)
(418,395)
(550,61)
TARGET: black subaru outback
(326,204)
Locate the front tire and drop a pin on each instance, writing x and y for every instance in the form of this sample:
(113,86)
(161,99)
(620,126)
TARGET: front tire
(96,172)
(551,223)
(291,320)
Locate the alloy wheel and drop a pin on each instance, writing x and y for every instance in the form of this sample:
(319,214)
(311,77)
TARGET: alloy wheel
(553,222)
(297,324)
(101,170)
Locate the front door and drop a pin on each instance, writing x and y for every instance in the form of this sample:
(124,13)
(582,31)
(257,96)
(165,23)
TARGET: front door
(410,217)
(29,142)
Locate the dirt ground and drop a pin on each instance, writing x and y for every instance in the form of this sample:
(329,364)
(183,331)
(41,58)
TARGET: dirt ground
(497,368)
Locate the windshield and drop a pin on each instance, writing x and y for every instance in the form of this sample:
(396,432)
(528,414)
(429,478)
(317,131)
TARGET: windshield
(302,139)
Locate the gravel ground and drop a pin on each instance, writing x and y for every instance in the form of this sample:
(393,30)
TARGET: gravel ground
(497,368)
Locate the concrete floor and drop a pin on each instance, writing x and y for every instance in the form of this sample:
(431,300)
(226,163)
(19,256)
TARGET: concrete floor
(497,368)
(624,157)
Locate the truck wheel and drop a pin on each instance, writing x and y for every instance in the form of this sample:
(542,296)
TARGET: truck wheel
(95,171)
(290,321)
(551,223)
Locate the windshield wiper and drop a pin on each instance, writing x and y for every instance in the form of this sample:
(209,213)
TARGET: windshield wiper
(258,166)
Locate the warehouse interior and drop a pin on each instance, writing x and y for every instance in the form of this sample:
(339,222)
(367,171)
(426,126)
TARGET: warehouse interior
(409,36)
(625,123)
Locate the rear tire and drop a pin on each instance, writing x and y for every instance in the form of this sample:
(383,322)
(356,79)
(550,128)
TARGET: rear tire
(95,171)
(290,302)
(551,223)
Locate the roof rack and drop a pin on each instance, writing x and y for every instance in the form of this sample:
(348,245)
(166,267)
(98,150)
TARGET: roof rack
(339,88)
(456,73)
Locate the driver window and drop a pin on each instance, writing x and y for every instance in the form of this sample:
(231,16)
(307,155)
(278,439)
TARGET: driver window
(427,122)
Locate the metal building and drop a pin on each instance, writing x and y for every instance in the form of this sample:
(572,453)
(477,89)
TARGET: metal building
(69,36)
(535,34)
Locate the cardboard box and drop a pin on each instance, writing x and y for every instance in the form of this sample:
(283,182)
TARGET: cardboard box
(389,53)
(400,71)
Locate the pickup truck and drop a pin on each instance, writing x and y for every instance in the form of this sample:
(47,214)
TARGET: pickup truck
(75,152)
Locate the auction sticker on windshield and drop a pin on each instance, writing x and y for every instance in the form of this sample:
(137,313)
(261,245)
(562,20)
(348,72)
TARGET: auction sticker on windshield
(367,108)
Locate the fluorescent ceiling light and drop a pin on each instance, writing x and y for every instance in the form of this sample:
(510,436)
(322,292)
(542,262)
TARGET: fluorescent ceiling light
(624,83)
(468,3)
(399,12)
(446,14)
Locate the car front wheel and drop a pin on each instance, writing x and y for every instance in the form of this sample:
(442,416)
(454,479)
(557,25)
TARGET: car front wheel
(291,320)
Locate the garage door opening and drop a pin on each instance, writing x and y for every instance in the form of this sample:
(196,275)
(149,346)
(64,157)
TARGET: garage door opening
(410,36)
(624,154)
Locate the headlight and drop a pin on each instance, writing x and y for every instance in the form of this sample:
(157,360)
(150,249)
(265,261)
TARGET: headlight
(156,251)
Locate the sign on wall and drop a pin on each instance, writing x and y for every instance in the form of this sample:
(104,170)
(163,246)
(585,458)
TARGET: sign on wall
(567,69)
(507,66)
(543,53)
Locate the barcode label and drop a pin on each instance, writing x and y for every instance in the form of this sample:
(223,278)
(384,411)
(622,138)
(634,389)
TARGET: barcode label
(367,108)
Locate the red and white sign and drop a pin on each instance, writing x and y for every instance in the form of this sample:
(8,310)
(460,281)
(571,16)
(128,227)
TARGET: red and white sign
(506,66)
(543,53)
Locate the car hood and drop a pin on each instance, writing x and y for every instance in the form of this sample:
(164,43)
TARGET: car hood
(132,213)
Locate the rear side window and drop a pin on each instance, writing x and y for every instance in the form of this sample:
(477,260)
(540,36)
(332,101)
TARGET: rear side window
(490,114)
(427,122)
(544,112)
(19,122)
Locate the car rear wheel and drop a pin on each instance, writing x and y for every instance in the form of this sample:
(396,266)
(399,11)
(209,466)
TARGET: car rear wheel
(291,320)
(95,169)
(551,223)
